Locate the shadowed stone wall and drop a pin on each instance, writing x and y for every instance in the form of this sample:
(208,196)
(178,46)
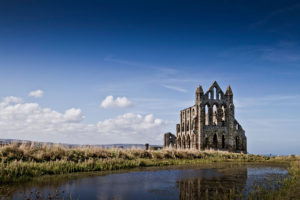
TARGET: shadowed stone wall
(169,140)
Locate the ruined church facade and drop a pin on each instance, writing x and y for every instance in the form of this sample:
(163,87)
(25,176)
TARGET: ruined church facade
(210,123)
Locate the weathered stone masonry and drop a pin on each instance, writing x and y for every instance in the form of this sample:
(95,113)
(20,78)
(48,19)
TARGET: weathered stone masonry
(209,124)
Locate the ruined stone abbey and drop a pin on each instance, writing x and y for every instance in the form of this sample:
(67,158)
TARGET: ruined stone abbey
(209,124)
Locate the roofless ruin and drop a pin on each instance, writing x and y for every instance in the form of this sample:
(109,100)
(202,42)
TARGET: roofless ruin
(209,124)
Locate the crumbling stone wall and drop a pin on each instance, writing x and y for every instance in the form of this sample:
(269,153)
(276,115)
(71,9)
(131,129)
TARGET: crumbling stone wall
(169,140)
(211,123)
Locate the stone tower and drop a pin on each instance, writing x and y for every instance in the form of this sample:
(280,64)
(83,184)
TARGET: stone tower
(211,123)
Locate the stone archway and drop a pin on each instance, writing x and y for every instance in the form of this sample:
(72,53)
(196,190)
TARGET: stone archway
(193,141)
(206,143)
(223,141)
(215,141)
(179,142)
(237,143)
(188,141)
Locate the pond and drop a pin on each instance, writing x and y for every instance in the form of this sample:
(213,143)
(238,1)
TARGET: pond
(178,182)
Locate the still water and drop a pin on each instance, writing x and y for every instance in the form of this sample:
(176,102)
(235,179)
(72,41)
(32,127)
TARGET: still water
(184,182)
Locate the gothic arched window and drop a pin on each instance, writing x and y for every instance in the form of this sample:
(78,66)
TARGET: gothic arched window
(223,142)
(215,115)
(206,115)
(220,96)
(215,141)
(223,113)
(237,143)
(215,93)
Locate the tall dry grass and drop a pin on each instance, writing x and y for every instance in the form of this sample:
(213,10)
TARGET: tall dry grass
(46,153)
(24,161)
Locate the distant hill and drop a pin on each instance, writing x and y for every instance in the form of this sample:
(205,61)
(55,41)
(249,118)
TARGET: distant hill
(106,146)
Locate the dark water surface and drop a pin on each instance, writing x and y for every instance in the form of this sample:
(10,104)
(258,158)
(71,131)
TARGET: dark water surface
(184,182)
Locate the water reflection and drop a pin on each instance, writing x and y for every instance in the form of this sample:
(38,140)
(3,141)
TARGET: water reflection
(212,183)
(189,182)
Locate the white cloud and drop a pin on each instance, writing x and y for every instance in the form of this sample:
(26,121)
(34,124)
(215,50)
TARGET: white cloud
(110,102)
(73,115)
(11,99)
(36,93)
(30,121)
(129,123)
(133,128)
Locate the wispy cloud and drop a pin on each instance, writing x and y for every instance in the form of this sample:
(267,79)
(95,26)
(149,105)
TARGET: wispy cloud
(160,69)
(159,104)
(178,89)
(124,62)
(166,70)
(282,52)
(179,80)
(274,14)
(266,100)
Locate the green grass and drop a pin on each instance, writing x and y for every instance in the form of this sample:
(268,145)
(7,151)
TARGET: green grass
(24,162)
(290,188)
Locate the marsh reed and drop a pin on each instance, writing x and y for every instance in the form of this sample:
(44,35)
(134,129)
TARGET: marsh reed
(20,162)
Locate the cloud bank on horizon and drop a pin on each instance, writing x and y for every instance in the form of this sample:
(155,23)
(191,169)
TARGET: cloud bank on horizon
(30,121)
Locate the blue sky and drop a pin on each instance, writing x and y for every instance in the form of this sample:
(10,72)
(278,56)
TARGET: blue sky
(152,55)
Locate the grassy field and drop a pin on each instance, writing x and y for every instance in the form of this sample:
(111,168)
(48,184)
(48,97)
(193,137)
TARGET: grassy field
(24,162)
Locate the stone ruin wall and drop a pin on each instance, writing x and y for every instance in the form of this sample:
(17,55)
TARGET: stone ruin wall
(210,123)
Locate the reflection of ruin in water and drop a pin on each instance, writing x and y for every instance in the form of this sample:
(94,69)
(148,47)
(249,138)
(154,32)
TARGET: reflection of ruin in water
(207,188)
(205,181)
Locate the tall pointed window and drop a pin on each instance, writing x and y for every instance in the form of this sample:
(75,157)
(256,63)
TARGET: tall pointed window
(223,142)
(215,141)
(206,144)
(188,142)
(237,143)
(206,115)
(179,142)
(193,141)
(220,96)
(215,115)
(215,93)
(223,113)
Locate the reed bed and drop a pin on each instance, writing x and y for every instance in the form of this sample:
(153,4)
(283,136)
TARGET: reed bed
(289,189)
(24,161)
(44,153)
